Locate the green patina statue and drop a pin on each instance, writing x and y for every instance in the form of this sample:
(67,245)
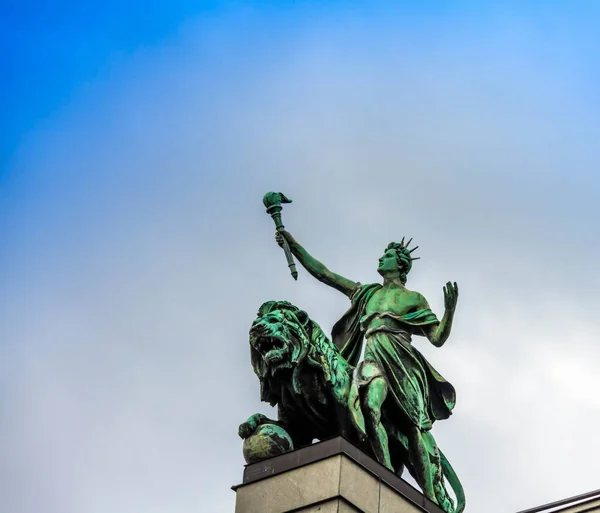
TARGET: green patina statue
(369,383)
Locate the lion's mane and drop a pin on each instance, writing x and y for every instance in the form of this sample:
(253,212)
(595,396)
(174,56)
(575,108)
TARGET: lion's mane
(307,346)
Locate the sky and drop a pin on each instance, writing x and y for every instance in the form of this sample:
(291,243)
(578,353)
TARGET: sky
(137,142)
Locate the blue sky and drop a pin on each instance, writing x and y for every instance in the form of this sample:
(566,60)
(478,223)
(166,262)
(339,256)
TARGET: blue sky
(50,50)
(137,143)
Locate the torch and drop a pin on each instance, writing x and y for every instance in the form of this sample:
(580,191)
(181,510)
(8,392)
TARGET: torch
(273,201)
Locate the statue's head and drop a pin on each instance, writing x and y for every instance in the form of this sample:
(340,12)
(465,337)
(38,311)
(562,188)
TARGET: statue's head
(397,259)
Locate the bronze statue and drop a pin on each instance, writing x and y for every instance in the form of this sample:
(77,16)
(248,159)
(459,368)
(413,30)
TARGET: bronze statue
(391,395)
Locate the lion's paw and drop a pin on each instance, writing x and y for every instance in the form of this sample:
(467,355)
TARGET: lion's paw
(246,429)
(249,427)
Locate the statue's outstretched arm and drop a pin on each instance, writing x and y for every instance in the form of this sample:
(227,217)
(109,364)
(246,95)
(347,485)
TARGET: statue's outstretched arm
(316,268)
(439,333)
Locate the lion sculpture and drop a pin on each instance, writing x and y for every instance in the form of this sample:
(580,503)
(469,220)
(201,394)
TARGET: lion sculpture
(302,373)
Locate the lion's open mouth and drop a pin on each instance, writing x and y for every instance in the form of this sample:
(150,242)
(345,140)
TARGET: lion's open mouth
(272,349)
(266,344)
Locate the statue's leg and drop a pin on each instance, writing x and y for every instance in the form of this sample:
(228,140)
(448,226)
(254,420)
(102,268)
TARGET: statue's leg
(398,443)
(421,463)
(343,421)
(442,496)
(372,401)
(428,468)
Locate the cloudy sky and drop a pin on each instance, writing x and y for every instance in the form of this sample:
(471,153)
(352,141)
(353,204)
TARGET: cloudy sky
(137,142)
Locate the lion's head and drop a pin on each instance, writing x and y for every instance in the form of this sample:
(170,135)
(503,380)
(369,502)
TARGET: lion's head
(283,337)
(279,337)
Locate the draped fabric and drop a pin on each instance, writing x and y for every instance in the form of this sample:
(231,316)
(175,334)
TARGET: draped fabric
(346,333)
(416,390)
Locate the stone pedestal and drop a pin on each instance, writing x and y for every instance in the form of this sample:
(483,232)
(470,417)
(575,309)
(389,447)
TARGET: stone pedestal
(329,477)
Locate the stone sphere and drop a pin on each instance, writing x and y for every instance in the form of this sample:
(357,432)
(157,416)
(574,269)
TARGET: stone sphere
(268,440)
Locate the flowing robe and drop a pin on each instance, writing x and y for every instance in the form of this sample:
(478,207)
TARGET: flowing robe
(416,391)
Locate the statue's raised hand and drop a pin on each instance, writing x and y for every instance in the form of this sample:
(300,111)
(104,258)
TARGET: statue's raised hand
(450,296)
